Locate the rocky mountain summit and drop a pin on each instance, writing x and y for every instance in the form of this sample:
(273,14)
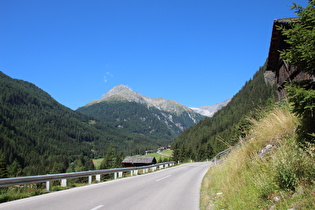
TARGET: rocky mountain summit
(124,93)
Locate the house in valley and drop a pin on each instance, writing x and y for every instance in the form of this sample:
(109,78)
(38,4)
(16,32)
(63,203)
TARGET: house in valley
(132,161)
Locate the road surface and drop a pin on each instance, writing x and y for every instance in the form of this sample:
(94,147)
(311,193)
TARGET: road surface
(172,188)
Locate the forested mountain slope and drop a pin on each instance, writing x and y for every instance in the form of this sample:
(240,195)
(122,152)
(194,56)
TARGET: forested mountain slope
(39,136)
(215,134)
(158,119)
(130,117)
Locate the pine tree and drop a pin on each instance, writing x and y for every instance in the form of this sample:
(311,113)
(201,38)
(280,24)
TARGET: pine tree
(301,38)
(301,54)
(3,166)
(14,169)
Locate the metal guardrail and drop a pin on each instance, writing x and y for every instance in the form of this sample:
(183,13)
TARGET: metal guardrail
(217,158)
(64,176)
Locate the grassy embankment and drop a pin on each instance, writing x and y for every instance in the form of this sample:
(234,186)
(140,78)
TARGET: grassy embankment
(282,178)
(163,156)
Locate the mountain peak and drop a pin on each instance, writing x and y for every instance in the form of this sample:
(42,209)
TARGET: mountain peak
(120,87)
(120,93)
(144,110)
(120,90)
(124,93)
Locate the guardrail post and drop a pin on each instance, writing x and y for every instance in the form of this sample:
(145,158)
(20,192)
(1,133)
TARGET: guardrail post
(131,173)
(120,174)
(64,183)
(136,172)
(48,185)
(98,177)
(90,179)
(115,175)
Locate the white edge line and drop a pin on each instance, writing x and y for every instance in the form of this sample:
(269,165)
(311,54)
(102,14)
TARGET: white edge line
(97,207)
(163,178)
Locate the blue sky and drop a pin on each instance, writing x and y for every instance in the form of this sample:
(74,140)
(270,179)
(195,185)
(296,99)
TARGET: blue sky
(196,52)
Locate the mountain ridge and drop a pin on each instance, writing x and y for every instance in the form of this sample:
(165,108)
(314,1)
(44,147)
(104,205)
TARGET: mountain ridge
(132,112)
(209,111)
(124,93)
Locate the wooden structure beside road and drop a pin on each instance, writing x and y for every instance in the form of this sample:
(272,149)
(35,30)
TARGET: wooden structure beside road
(284,72)
(132,161)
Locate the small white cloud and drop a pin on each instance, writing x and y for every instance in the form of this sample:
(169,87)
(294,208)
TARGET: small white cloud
(107,76)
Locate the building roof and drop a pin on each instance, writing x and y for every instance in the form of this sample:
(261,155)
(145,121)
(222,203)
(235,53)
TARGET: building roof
(139,160)
(277,42)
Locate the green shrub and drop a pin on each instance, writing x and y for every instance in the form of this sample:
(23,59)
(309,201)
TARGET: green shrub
(302,97)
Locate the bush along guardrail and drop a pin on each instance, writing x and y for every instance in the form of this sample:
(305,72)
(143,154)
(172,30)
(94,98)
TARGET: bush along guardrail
(118,172)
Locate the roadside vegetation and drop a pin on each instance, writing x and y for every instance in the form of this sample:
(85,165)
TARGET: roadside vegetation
(27,190)
(273,167)
(254,177)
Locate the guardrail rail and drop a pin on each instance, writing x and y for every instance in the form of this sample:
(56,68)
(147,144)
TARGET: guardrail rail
(118,172)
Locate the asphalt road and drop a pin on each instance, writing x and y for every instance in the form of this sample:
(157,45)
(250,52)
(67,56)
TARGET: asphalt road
(172,188)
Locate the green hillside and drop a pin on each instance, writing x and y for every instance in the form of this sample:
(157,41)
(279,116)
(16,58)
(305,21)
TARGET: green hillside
(215,134)
(131,117)
(39,136)
(136,118)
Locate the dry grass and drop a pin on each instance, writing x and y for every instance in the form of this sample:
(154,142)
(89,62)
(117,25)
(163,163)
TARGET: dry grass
(247,181)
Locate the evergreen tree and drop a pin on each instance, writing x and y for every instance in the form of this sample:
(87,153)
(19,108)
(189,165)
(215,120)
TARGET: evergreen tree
(15,169)
(3,166)
(301,54)
(301,38)
(112,159)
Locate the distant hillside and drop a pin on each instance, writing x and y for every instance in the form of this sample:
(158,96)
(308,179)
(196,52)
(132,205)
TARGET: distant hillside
(133,113)
(213,135)
(39,136)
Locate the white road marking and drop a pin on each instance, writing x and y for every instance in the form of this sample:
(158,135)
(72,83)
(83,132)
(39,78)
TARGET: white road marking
(163,178)
(97,207)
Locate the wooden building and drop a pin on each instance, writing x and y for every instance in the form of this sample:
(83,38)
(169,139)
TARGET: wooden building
(131,161)
(284,72)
